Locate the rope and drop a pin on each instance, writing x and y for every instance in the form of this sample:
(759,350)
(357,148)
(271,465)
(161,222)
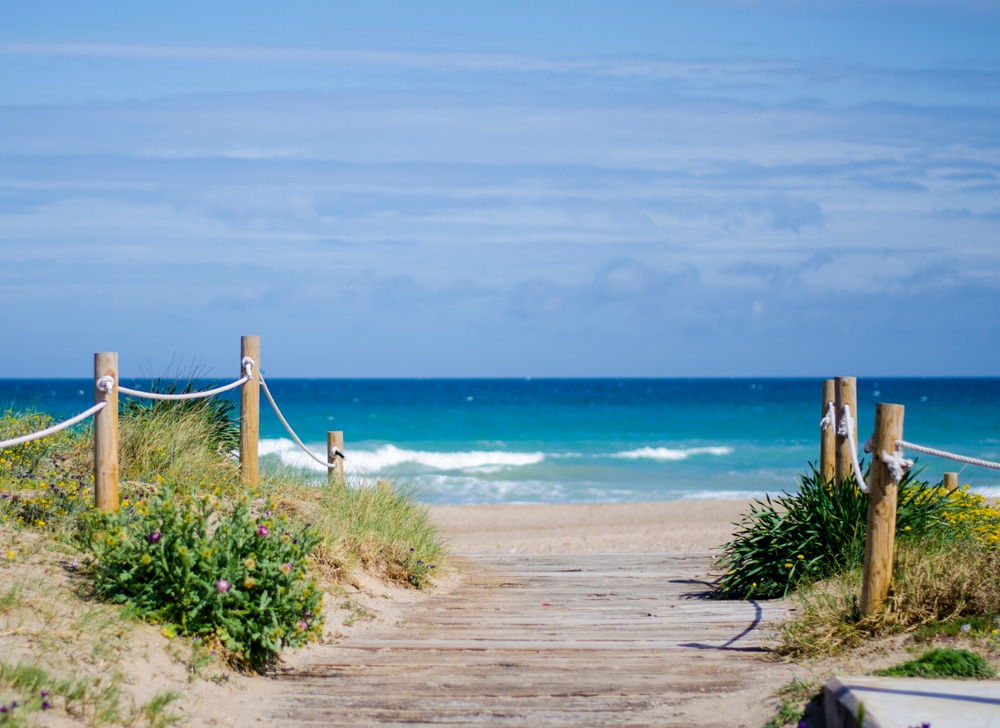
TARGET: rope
(846,428)
(831,416)
(948,455)
(897,464)
(335,453)
(246,362)
(54,428)
(186,395)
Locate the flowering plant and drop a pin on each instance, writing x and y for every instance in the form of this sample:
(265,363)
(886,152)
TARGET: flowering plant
(209,569)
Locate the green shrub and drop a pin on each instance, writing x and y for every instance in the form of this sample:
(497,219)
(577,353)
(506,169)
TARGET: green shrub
(41,483)
(800,538)
(944,662)
(210,570)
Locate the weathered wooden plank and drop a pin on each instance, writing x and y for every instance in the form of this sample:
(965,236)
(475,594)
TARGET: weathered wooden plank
(545,640)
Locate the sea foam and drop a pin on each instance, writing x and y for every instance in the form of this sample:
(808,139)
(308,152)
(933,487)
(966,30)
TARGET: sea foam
(666,454)
(387,456)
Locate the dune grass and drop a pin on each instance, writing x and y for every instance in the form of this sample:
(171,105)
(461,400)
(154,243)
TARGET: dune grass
(366,524)
(46,497)
(937,588)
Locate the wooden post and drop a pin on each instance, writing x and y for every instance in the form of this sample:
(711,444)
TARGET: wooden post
(335,456)
(882,492)
(828,435)
(846,393)
(950,482)
(106,434)
(249,412)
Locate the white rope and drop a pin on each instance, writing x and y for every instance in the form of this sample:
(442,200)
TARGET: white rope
(897,464)
(54,429)
(186,395)
(307,451)
(831,416)
(846,428)
(949,455)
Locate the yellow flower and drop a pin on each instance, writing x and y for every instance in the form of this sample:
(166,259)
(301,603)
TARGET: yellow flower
(800,556)
(146,560)
(788,565)
(249,583)
(11,555)
(250,564)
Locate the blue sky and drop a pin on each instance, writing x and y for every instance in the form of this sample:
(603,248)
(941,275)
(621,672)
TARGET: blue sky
(502,189)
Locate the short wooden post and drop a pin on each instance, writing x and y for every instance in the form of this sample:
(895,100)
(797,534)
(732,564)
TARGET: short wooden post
(846,393)
(950,482)
(106,433)
(335,456)
(828,435)
(249,412)
(882,493)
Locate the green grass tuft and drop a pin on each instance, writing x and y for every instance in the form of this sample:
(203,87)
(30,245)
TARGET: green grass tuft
(944,662)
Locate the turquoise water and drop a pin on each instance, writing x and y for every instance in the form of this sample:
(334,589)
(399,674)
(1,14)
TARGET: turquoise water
(589,440)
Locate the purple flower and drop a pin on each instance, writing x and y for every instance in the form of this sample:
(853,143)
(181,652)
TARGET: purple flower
(303,626)
(308,615)
(155,537)
(45,693)
(13,704)
(46,705)
(262,531)
(3,709)
(222,586)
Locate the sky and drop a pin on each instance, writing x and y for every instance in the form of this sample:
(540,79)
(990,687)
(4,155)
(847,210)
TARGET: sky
(501,189)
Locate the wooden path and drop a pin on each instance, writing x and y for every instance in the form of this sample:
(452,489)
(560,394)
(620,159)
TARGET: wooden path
(561,640)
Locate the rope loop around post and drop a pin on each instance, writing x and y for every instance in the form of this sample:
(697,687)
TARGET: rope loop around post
(829,419)
(897,464)
(248,365)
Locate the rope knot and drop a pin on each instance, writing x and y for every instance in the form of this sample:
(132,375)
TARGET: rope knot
(105,384)
(248,365)
(897,464)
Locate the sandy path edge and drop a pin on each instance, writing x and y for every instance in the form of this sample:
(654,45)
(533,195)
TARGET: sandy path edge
(680,526)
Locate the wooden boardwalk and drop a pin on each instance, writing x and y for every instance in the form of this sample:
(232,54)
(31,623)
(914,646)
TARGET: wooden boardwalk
(561,640)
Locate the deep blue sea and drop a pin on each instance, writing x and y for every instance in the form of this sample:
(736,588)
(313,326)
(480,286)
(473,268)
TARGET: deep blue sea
(588,440)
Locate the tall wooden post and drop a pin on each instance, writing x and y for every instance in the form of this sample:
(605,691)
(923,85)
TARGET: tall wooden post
(249,412)
(882,493)
(335,456)
(846,393)
(106,433)
(828,435)
(950,482)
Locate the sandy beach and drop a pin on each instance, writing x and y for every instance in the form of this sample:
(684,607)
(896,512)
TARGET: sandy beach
(682,526)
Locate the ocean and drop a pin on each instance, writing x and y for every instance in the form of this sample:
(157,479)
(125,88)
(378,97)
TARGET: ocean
(588,440)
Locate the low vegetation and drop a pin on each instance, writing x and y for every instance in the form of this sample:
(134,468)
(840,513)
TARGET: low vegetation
(240,575)
(945,662)
(810,545)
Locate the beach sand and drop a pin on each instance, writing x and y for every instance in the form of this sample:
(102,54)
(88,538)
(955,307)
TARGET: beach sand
(599,528)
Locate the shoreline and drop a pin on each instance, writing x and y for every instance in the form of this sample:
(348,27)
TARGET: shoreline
(687,526)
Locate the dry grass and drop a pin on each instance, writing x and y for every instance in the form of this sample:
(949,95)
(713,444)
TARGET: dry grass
(932,584)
